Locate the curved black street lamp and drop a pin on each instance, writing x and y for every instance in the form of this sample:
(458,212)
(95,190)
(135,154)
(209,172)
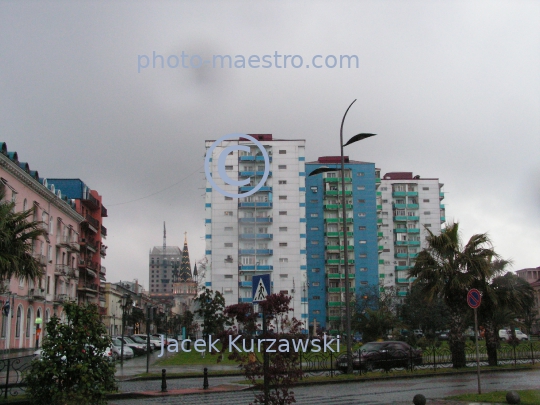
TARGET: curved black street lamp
(126,303)
(355,138)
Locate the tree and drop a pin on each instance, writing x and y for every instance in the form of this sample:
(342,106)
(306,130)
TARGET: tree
(505,297)
(447,269)
(374,312)
(284,368)
(417,312)
(17,236)
(72,368)
(211,305)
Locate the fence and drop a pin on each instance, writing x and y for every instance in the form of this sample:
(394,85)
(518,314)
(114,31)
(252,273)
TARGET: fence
(392,359)
(12,375)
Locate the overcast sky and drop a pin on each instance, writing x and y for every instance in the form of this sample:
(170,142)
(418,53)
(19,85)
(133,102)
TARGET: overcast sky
(451,88)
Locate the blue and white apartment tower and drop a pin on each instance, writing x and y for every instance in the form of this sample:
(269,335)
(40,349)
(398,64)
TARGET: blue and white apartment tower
(264,233)
(325,244)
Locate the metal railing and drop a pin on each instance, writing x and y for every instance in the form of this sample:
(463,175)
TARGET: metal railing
(12,375)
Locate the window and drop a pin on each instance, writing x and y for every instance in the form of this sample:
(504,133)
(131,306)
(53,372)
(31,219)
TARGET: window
(425,200)
(362,242)
(316,312)
(228,213)
(314,256)
(362,255)
(314,242)
(361,201)
(282,152)
(282,244)
(316,297)
(282,212)
(427,225)
(282,167)
(18,323)
(316,284)
(314,215)
(314,201)
(286,292)
(361,188)
(228,290)
(315,270)
(360,174)
(228,198)
(425,188)
(384,188)
(228,244)
(427,212)
(283,229)
(228,228)
(363,282)
(384,201)
(283,276)
(282,182)
(314,228)
(361,214)
(228,275)
(228,168)
(283,260)
(361,228)
(28,321)
(363,268)
(282,197)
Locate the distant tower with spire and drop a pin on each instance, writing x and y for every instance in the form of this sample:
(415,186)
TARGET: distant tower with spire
(164,262)
(185,284)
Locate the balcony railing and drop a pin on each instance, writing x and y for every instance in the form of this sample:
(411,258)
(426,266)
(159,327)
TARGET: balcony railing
(88,286)
(103,251)
(36,294)
(259,219)
(73,273)
(61,298)
(252,267)
(74,246)
(90,201)
(103,212)
(61,270)
(103,231)
(249,188)
(250,158)
(44,226)
(252,204)
(253,252)
(89,244)
(256,236)
(41,259)
(92,221)
(103,270)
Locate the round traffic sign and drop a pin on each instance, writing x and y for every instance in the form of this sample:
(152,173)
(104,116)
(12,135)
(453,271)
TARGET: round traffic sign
(474,298)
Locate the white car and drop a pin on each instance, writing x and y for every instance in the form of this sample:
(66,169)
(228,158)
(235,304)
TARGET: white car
(117,350)
(505,334)
(153,340)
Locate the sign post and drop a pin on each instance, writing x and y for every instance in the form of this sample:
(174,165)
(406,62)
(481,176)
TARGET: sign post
(474,298)
(260,288)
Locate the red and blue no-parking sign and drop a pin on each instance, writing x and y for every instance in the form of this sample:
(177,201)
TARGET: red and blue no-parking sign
(474,298)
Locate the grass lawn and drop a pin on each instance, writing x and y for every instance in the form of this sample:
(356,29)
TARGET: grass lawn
(528,397)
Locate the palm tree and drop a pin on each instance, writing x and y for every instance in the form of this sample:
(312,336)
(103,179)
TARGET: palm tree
(17,236)
(505,298)
(447,269)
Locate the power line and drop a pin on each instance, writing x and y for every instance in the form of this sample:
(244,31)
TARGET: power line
(157,192)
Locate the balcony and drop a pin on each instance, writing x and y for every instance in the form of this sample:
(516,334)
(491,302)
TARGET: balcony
(401,243)
(103,231)
(379,220)
(103,212)
(258,204)
(412,193)
(441,196)
(377,180)
(250,158)
(443,219)
(339,289)
(88,244)
(400,230)
(379,193)
(413,255)
(103,250)
(413,206)
(61,270)
(88,287)
(245,284)
(380,248)
(399,193)
(336,179)
(41,259)
(400,218)
(256,220)
(90,201)
(333,318)
(380,234)
(262,252)
(338,261)
(413,218)
(336,220)
(413,230)
(252,173)
(36,294)
(43,226)
(334,207)
(379,207)
(73,273)
(401,255)
(256,236)
(103,270)
(74,247)
(399,206)
(414,243)
(337,234)
(400,268)
(339,276)
(336,304)
(249,188)
(336,192)
(248,300)
(252,267)
(61,298)
(94,223)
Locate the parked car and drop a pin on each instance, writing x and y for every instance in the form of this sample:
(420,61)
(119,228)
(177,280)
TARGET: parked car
(108,353)
(139,339)
(138,348)
(385,355)
(444,335)
(505,334)
(153,340)
(418,333)
(158,337)
(117,350)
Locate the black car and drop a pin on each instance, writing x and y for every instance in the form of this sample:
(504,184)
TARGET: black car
(385,355)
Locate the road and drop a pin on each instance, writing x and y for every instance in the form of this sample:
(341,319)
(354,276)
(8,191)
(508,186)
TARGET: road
(395,391)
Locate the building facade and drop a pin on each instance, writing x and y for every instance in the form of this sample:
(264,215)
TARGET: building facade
(325,237)
(409,205)
(264,233)
(58,253)
(89,204)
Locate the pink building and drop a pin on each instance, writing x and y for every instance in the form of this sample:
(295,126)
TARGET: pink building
(58,253)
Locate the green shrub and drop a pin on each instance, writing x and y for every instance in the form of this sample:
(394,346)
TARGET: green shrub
(72,368)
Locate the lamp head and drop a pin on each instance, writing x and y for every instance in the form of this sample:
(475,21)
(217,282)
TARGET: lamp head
(358,137)
(323,169)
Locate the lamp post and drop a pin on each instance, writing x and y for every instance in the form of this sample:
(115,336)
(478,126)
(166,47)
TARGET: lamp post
(39,321)
(126,300)
(355,138)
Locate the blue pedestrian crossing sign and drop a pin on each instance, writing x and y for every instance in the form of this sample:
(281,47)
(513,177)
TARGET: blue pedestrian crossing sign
(260,287)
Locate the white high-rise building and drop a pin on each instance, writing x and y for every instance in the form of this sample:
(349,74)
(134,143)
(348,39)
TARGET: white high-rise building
(264,233)
(410,205)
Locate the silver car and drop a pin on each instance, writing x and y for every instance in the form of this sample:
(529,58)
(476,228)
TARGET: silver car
(117,350)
